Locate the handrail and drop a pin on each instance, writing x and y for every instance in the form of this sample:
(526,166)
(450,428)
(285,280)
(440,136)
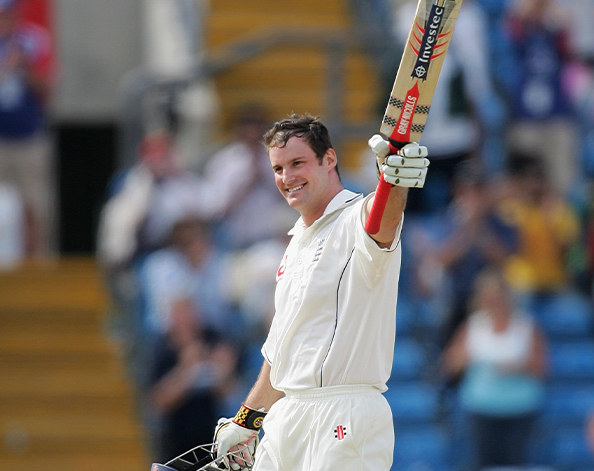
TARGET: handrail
(335,42)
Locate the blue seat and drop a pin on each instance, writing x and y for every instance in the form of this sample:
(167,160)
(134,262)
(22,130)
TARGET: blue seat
(570,449)
(405,317)
(568,316)
(251,361)
(413,402)
(409,360)
(568,404)
(426,448)
(572,360)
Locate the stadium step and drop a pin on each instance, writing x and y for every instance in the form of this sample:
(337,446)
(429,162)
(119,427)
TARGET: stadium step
(291,77)
(65,400)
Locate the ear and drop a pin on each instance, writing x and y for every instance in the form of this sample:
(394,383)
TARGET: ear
(331,159)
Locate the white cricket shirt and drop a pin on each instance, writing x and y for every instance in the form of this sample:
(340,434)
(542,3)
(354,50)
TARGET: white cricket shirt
(335,320)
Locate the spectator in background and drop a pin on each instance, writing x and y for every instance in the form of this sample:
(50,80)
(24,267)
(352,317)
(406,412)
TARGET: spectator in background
(542,118)
(192,370)
(186,365)
(581,13)
(475,237)
(189,267)
(502,355)
(501,64)
(174,45)
(145,201)
(464,111)
(25,157)
(12,226)
(242,197)
(143,204)
(547,227)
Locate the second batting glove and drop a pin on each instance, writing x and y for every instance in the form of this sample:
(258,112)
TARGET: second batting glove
(407,168)
(238,438)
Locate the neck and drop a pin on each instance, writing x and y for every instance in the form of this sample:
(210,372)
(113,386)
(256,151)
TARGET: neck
(313,216)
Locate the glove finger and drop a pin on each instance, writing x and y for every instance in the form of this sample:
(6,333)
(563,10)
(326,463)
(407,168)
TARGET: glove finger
(405,172)
(222,421)
(395,160)
(226,441)
(413,150)
(379,146)
(404,182)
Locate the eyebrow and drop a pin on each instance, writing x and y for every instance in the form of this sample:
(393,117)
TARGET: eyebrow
(290,161)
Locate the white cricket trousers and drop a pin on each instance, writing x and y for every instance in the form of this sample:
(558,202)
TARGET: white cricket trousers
(339,428)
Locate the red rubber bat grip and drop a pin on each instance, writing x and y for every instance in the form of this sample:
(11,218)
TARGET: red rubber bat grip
(374,221)
(372,226)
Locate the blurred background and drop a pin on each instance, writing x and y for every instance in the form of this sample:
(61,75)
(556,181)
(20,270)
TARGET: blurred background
(141,230)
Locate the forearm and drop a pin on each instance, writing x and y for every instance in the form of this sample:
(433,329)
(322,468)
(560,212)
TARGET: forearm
(262,394)
(391,217)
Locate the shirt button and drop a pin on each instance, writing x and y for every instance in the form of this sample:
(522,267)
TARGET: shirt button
(299,262)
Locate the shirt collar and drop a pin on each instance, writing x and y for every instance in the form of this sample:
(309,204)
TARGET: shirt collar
(342,198)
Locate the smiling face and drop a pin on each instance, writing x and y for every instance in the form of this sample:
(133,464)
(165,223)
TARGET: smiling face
(306,182)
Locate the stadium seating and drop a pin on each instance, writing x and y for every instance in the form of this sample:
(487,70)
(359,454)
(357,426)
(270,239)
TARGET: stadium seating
(568,404)
(413,402)
(569,449)
(568,316)
(425,448)
(65,401)
(409,360)
(572,360)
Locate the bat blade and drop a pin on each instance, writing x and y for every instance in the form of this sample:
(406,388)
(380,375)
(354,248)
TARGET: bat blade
(410,100)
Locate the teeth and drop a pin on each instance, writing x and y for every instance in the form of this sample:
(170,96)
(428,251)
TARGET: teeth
(291,190)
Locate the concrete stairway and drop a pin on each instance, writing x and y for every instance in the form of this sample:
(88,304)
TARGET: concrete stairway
(291,77)
(65,402)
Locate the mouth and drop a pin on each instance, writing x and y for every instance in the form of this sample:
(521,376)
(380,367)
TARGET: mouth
(295,189)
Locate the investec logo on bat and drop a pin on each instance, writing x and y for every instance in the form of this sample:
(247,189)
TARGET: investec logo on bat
(427,46)
(426,50)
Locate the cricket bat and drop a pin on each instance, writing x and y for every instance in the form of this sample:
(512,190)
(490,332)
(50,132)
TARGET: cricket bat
(410,100)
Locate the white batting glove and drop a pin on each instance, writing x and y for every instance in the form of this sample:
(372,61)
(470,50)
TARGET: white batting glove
(239,438)
(407,168)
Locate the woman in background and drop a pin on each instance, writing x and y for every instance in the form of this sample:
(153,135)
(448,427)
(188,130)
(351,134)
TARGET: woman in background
(501,354)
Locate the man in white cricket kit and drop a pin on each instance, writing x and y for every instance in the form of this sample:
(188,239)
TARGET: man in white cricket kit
(329,351)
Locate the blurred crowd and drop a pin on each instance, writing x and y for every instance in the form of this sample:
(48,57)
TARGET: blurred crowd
(498,249)
(28,222)
(191,260)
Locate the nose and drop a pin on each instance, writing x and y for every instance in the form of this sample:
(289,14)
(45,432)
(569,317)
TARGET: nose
(286,176)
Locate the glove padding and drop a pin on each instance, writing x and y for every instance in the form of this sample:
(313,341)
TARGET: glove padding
(232,438)
(407,168)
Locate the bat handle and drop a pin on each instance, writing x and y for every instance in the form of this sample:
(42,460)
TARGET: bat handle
(374,220)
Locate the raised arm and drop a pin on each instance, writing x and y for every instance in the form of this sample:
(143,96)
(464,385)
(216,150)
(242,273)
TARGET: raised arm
(403,169)
(391,217)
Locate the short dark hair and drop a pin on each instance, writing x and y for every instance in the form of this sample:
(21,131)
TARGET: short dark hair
(308,127)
